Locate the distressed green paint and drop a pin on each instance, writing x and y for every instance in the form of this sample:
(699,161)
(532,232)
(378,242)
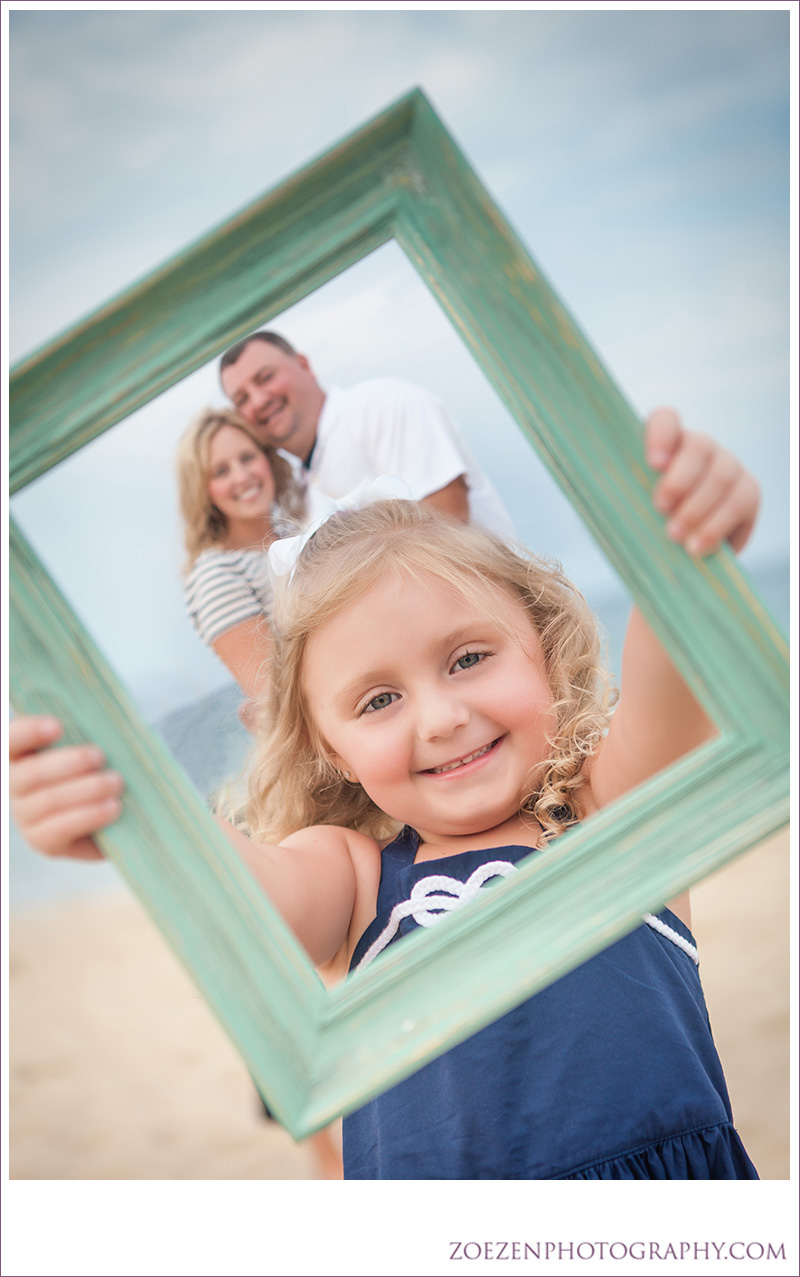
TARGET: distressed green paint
(316,1054)
(173,857)
(282,247)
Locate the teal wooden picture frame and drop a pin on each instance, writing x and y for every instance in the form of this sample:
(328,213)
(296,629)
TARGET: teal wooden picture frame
(315,1053)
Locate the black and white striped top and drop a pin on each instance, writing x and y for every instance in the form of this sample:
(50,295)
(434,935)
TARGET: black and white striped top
(224,588)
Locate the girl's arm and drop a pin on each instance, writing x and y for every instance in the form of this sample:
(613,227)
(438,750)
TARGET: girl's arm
(60,797)
(705,492)
(317,879)
(708,497)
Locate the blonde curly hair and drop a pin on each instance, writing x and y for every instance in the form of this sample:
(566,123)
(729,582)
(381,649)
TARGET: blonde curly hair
(204,525)
(292,783)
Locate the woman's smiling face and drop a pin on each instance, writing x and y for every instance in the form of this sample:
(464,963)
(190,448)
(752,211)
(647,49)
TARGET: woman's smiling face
(240,480)
(436,703)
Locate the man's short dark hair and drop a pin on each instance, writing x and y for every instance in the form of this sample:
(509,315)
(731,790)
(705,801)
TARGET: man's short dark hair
(235,353)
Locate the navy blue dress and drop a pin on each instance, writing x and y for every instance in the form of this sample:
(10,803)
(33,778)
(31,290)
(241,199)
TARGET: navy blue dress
(610,1073)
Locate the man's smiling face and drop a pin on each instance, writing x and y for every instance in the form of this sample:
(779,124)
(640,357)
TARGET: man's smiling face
(277,394)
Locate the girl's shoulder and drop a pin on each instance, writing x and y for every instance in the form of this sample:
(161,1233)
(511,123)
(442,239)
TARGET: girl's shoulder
(331,835)
(363,852)
(358,855)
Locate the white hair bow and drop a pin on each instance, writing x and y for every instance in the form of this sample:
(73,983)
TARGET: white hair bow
(283,554)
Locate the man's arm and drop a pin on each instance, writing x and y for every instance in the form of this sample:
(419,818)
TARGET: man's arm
(404,430)
(452,499)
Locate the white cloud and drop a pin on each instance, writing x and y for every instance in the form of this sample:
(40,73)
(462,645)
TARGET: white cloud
(142,152)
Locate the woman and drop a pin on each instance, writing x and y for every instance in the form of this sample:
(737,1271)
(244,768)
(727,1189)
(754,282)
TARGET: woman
(236,496)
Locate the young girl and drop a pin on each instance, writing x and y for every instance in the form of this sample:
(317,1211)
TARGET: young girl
(438,712)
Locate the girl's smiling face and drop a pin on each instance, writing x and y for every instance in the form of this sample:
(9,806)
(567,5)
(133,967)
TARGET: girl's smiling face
(436,703)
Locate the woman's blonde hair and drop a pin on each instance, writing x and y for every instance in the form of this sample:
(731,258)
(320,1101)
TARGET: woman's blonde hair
(205,525)
(293,784)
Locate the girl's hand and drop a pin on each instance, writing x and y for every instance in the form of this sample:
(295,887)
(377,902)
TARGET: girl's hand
(59,797)
(706,494)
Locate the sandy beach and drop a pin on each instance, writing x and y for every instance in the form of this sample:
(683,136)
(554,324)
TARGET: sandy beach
(118,1071)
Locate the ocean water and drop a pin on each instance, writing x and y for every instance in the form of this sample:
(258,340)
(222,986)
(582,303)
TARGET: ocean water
(212,746)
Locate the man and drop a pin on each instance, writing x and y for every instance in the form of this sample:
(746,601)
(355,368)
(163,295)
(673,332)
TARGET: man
(385,426)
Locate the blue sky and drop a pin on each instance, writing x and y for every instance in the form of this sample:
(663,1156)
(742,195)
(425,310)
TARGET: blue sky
(642,156)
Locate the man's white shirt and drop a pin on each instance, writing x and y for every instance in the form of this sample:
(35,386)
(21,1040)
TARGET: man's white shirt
(389,426)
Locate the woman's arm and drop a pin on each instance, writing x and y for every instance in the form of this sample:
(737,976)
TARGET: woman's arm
(708,497)
(245,650)
(227,597)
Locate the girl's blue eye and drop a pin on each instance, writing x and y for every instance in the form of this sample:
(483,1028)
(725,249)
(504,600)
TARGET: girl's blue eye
(381,701)
(467,661)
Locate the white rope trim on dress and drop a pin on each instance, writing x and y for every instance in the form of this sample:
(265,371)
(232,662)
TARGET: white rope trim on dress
(423,900)
(671,934)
